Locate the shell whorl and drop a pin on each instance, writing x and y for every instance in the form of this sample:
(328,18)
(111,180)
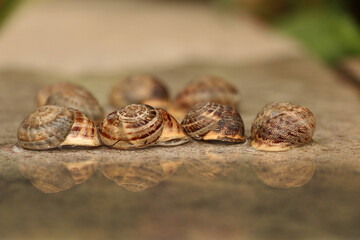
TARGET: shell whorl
(45,128)
(54,126)
(139,89)
(71,96)
(134,126)
(281,126)
(205,89)
(214,121)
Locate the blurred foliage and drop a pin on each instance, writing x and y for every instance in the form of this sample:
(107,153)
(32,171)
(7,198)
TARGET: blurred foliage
(329,34)
(6,8)
(327,28)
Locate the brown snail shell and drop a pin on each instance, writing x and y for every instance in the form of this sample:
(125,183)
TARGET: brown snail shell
(172,133)
(72,96)
(54,126)
(214,121)
(142,88)
(138,126)
(205,89)
(281,126)
(134,126)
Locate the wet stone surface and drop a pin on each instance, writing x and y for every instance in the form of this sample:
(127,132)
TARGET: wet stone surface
(195,191)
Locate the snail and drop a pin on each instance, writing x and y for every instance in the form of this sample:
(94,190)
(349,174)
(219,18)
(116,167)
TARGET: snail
(204,89)
(54,126)
(281,126)
(138,126)
(214,121)
(72,96)
(136,89)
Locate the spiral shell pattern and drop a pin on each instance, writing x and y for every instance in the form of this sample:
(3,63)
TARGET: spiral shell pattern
(141,88)
(45,128)
(205,89)
(280,126)
(134,126)
(54,126)
(72,96)
(214,121)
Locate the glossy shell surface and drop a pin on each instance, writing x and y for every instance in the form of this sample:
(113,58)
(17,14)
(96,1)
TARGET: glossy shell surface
(72,96)
(280,126)
(214,121)
(54,126)
(205,89)
(141,88)
(172,134)
(131,127)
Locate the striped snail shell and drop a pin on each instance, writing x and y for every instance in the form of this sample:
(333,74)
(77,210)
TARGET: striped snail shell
(281,126)
(72,96)
(138,126)
(214,121)
(172,133)
(141,88)
(205,89)
(54,126)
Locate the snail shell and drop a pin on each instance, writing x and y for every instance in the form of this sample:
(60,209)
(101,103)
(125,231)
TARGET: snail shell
(205,89)
(136,89)
(172,133)
(54,126)
(138,126)
(72,96)
(280,126)
(134,126)
(214,121)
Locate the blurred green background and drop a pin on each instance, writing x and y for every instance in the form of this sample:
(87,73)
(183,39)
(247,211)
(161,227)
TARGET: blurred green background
(327,28)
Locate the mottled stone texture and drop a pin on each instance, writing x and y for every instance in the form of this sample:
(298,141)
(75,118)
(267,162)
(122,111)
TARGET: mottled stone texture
(198,186)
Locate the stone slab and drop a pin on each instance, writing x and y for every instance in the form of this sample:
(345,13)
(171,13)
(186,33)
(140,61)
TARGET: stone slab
(194,191)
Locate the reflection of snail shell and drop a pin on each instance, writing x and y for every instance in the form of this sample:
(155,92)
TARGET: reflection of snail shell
(71,96)
(138,175)
(214,165)
(54,126)
(142,88)
(205,89)
(139,126)
(287,173)
(55,176)
(81,170)
(281,126)
(213,121)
